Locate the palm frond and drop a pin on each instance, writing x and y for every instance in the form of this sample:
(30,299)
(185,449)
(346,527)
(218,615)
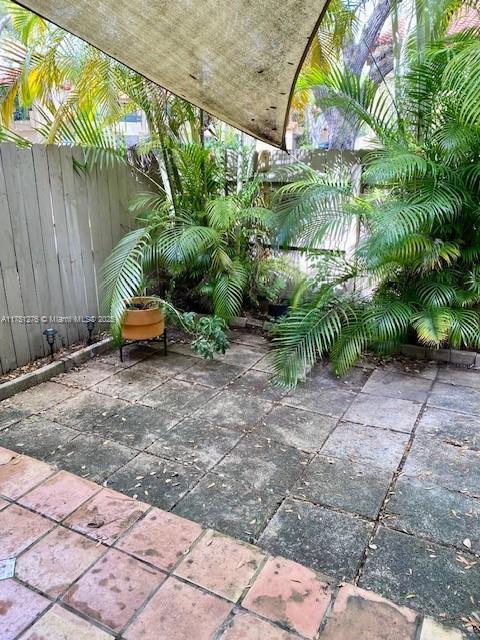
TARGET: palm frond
(464,328)
(433,325)
(228,291)
(122,272)
(180,245)
(394,163)
(313,207)
(305,335)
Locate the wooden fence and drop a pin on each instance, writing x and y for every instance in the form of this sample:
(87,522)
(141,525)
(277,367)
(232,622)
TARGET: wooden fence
(57,225)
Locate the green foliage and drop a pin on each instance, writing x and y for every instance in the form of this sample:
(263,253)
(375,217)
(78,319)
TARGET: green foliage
(414,273)
(209,334)
(81,94)
(339,23)
(196,232)
(276,279)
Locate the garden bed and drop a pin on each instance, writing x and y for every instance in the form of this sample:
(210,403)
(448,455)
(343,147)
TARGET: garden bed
(43,372)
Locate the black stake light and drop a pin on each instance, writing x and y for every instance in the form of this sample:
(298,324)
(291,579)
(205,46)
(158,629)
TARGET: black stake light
(50,334)
(90,322)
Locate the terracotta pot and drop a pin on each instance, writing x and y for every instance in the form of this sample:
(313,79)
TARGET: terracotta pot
(143,324)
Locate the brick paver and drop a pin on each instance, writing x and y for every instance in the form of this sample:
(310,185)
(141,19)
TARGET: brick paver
(19,607)
(178,611)
(288,593)
(19,474)
(362,614)
(372,478)
(113,589)
(221,565)
(143,541)
(60,624)
(431,630)
(106,516)
(55,561)
(19,528)
(60,495)
(246,627)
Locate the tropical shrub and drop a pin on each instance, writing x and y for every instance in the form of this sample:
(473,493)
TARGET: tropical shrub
(196,232)
(415,273)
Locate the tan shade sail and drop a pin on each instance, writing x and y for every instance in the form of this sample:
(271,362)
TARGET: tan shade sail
(236,59)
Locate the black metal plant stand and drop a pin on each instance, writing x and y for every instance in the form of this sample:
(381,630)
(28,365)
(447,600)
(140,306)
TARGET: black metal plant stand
(161,338)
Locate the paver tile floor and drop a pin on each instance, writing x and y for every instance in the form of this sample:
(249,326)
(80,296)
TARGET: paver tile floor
(372,479)
(111,567)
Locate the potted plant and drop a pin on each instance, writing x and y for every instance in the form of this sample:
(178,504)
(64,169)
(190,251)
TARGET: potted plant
(143,319)
(275,279)
(278,309)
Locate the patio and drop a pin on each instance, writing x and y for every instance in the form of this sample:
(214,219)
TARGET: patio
(372,479)
(144,574)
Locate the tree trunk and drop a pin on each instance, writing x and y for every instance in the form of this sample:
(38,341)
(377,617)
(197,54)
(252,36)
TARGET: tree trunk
(355,54)
(342,131)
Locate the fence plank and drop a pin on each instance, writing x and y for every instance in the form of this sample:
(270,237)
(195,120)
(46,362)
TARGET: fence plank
(125,216)
(20,173)
(134,187)
(11,283)
(79,302)
(95,224)
(61,234)
(27,178)
(114,206)
(54,305)
(8,358)
(16,191)
(104,214)
(89,274)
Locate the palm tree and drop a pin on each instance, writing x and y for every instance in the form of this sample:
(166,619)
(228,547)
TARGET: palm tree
(82,95)
(196,231)
(415,273)
(392,33)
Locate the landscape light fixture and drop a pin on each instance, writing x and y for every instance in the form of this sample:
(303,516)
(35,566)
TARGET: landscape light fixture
(50,334)
(90,322)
